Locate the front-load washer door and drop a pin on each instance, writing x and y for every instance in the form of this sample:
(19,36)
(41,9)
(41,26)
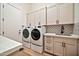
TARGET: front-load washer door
(35,34)
(36,37)
(25,33)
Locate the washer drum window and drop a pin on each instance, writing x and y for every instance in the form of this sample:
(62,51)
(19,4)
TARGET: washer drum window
(25,33)
(35,34)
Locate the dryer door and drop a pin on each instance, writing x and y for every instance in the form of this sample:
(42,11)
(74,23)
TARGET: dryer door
(35,34)
(25,33)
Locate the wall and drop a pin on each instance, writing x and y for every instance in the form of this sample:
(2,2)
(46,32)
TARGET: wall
(76,18)
(14,17)
(68,29)
(0,18)
(40,5)
(26,7)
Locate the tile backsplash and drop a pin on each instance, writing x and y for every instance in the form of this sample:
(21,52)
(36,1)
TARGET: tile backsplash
(76,28)
(68,29)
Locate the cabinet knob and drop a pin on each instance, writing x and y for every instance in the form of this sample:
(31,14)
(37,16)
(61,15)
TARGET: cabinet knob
(48,41)
(48,48)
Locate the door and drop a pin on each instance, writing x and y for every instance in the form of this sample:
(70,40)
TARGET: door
(1,19)
(58,48)
(65,13)
(70,50)
(51,15)
(13,20)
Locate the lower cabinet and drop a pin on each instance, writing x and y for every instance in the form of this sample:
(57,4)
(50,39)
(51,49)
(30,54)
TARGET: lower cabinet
(58,49)
(61,46)
(48,44)
(70,50)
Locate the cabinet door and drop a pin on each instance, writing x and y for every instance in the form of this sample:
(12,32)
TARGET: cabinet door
(37,18)
(58,49)
(31,19)
(65,13)
(28,20)
(43,16)
(48,43)
(70,50)
(51,15)
(40,17)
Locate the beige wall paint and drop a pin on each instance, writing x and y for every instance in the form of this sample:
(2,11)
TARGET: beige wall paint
(40,5)
(26,7)
(0,18)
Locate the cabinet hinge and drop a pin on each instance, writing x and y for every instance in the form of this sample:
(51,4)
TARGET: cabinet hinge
(3,33)
(3,5)
(3,19)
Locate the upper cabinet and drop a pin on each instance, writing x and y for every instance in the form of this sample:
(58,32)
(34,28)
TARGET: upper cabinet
(40,17)
(65,13)
(31,19)
(51,15)
(43,16)
(37,17)
(60,14)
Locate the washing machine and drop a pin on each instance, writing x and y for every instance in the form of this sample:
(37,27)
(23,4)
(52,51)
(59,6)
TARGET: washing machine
(37,39)
(26,37)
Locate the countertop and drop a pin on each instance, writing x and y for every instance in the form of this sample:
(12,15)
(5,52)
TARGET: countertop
(8,46)
(65,36)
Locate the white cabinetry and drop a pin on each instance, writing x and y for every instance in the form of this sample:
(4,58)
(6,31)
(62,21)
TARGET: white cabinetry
(37,17)
(65,13)
(48,44)
(31,19)
(51,15)
(60,14)
(65,46)
(70,50)
(61,46)
(58,48)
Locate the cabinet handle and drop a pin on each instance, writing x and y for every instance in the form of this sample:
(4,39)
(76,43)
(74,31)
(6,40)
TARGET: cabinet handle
(47,48)
(48,42)
(63,44)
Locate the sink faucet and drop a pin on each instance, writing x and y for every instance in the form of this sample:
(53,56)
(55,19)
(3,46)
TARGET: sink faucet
(62,29)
